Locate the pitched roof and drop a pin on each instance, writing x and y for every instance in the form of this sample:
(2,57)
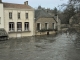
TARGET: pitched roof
(19,6)
(41,13)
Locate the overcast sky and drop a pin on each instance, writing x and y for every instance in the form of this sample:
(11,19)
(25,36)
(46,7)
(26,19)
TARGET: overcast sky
(35,3)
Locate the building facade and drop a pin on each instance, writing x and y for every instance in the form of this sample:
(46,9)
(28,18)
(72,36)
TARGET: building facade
(17,19)
(1,15)
(44,23)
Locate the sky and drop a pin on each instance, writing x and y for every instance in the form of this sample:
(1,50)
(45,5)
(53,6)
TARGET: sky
(44,3)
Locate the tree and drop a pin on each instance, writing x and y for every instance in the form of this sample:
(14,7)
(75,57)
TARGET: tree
(76,4)
(67,13)
(39,7)
(55,11)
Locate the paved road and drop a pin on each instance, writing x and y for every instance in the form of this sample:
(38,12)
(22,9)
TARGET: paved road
(59,47)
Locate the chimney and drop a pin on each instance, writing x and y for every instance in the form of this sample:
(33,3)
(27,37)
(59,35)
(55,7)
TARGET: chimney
(0,1)
(26,3)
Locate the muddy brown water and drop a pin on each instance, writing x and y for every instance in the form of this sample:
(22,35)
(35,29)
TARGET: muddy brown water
(63,46)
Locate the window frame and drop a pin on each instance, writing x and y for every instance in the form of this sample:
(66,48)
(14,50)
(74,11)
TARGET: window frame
(10,15)
(26,26)
(19,27)
(26,15)
(19,15)
(39,28)
(12,26)
(46,26)
(53,25)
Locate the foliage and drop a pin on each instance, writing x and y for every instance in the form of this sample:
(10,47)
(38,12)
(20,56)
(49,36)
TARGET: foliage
(55,11)
(76,4)
(68,12)
(76,19)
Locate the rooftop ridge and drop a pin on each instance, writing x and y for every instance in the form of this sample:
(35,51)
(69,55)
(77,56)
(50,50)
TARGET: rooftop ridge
(12,3)
(16,5)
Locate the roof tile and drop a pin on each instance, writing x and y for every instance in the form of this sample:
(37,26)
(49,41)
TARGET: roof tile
(19,6)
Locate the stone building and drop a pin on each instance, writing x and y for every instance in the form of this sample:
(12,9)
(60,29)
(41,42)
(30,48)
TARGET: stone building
(17,19)
(44,22)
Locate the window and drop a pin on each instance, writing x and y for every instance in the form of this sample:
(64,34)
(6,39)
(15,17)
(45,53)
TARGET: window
(0,20)
(26,24)
(53,25)
(11,26)
(18,15)
(10,15)
(26,15)
(46,25)
(19,26)
(38,26)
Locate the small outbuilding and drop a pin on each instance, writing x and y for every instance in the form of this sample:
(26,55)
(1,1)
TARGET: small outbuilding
(44,23)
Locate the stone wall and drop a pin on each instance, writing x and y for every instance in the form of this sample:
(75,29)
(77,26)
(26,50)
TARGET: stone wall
(42,21)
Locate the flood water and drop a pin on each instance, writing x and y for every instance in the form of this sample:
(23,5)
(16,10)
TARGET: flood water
(59,47)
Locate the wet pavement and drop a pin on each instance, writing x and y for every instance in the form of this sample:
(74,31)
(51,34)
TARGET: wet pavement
(59,47)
